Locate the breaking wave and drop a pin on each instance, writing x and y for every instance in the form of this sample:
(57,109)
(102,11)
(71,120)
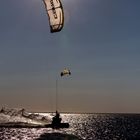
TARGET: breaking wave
(21,116)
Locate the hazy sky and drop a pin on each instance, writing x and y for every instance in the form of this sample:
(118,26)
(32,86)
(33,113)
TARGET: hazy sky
(100,44)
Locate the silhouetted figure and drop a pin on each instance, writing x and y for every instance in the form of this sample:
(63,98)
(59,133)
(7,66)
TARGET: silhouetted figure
(56,121)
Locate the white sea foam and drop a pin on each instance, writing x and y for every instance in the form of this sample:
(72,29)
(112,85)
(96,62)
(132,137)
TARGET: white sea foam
(21,115)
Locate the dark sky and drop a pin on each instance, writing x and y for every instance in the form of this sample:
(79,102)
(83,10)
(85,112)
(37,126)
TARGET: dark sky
(100,44)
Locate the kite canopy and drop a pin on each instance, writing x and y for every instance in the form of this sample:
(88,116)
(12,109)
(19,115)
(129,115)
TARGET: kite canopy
(56,15)
(65,72)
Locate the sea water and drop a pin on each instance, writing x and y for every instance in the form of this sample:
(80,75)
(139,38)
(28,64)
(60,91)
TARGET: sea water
(85,126)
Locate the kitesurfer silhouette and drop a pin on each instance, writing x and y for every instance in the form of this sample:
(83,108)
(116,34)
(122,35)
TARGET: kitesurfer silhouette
(56,121)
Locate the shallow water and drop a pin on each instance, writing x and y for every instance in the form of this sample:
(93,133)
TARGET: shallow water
(86,126)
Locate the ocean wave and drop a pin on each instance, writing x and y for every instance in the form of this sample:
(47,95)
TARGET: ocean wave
(21,116)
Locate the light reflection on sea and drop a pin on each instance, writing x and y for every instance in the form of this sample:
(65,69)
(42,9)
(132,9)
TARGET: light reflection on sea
(87,126)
